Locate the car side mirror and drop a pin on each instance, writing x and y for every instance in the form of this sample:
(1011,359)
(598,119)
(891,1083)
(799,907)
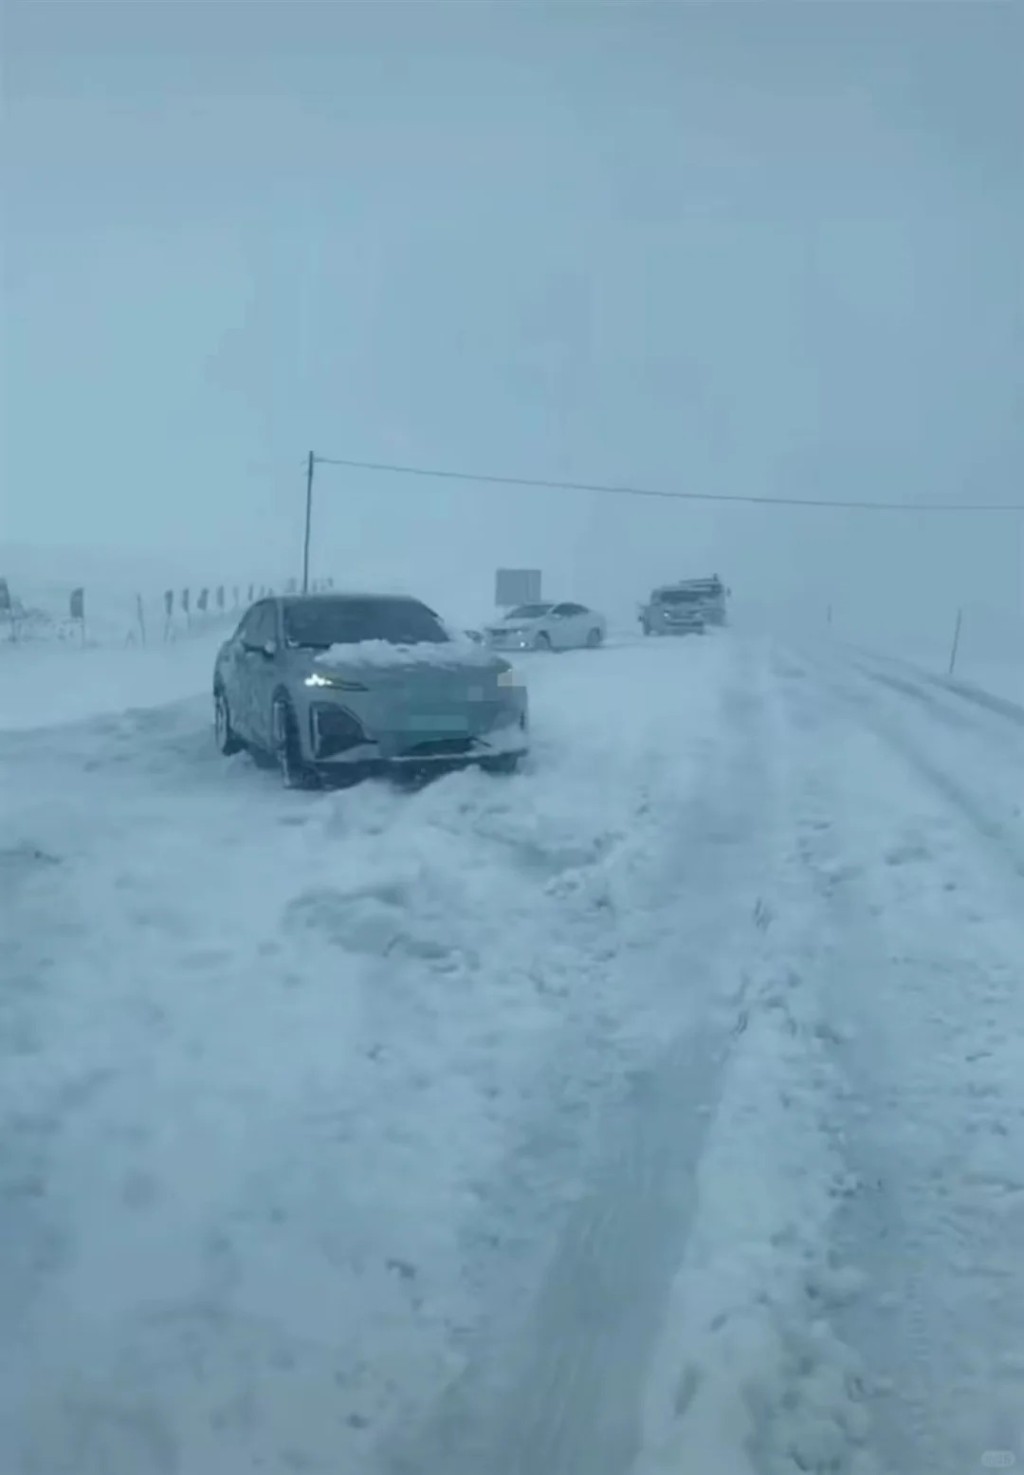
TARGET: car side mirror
(266,648)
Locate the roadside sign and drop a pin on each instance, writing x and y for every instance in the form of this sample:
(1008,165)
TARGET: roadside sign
(516,586)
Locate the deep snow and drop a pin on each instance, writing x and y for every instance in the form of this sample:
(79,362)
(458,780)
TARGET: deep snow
(43,684)
(659,1110)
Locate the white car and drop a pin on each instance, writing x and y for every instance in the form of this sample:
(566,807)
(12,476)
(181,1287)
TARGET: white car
(548,627)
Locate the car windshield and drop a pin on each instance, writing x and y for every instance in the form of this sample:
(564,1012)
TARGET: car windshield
(679,596)
(528,612)
(321,623)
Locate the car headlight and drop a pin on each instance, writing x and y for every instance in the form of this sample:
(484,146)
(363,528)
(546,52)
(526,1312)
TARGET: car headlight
(510,677)
(335,683)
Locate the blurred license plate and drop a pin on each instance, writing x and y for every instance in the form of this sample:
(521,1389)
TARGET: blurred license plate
(439,722)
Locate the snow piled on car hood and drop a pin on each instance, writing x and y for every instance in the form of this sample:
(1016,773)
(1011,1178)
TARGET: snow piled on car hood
(423,653)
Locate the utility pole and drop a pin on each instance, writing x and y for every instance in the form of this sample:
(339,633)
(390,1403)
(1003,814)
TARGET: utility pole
(310,465)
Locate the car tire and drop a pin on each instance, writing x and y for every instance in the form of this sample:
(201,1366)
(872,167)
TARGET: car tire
(227,740)
(295,771)
(542,641)
(504,763)
(594,639)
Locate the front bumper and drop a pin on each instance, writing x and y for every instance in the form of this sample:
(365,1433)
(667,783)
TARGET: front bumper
(511,640)
(338,741)
(679,627)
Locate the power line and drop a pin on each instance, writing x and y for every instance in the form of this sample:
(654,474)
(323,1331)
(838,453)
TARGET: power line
(540,483)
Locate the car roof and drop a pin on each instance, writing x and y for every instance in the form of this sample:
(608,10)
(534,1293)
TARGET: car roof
(690,586)
(340,596)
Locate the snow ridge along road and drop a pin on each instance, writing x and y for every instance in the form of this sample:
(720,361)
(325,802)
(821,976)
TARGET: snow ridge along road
(656,1111)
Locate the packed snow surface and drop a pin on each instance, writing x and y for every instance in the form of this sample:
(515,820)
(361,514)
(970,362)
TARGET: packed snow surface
(657,1111)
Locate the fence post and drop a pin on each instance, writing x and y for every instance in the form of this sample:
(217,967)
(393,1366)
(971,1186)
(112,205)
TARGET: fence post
(7,605)
(956,641)
(76,610)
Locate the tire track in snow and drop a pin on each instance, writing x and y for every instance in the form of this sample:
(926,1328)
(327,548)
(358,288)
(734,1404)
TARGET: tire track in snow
(961,692)
(560,1390)
(931,1026)
(646,1352)
(982,723)
(872,1226)
(1004,837)
(753,1375)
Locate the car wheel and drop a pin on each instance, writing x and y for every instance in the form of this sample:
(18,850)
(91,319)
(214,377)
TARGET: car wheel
(228,741)
(594,639)
(542,641)
(503,763)
(295,771)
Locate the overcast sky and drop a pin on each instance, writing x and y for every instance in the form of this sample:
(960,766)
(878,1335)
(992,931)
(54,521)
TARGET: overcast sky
(726,247)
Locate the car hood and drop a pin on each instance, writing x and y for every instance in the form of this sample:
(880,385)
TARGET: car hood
(381,659)
(526,623)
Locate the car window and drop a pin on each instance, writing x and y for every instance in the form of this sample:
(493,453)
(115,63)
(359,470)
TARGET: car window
(318,624)
(566,609)
(268,621)
(242,632)
(574,609)
(529,611)
(248,624)
(259,625)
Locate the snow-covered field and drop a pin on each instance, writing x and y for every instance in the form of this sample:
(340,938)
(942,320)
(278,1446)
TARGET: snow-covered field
(118,589)
(44,684)
(658,1111)
(989,653)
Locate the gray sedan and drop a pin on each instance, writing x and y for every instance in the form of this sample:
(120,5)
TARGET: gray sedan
(342,686)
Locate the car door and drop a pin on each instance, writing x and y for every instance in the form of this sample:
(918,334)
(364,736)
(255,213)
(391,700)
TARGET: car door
(251,664)
(583,621)
(570,625)
(263,660)
(561,626)
(234,672)
(593,619)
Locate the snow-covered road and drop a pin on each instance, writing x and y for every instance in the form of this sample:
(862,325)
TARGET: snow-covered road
(658,1111)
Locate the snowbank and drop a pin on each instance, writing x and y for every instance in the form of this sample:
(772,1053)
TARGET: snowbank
(43,684)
